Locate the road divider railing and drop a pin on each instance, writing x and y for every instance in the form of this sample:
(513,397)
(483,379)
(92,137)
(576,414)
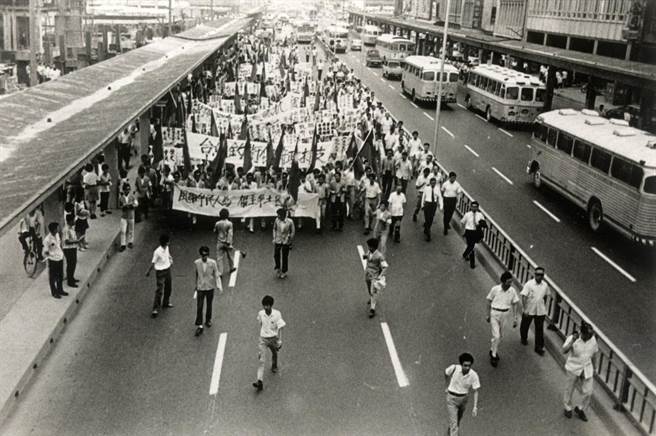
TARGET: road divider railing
(631,391)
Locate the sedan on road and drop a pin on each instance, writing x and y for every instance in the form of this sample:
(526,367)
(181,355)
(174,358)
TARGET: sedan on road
(373,58)
(356,44)
(392,69)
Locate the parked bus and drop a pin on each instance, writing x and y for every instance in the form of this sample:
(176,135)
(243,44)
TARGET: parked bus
(604,166)
(394,47)
(369,34)
(420,79)
(504,94)
(336,38)
(305,33)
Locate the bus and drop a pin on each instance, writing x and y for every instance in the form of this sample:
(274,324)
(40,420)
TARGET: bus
(305,33)
(336,38)
(604,166)
(420,77)
(503,94)
(394,47)
(369,34)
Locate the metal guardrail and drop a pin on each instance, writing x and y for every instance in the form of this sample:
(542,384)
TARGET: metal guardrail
(632,392)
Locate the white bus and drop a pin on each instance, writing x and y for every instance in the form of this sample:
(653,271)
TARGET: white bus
(305,33)
(394,47)
(336,38)
(369,34)
(504,94)
(604,166)
(420,79)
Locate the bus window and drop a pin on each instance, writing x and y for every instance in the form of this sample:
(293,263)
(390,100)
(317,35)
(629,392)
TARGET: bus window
(401,47)
(627,172)
(453,77)
(540,132)
(650,185)
(527,94)
(512,92)
(564,141)
(497,89)
(582,151)
(600,160)
(539,94)
(429,76)
(551,137)
(502,94)
(482,83)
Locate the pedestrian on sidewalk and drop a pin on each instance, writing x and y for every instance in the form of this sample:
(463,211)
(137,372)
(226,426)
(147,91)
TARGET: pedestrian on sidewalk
(69,246)
(207,279)
(421,182)
(143,186)
(396,202)
(81,220)
(534,295)
(105,187)
(581,350)
(53,252)
(383,219)
(224,239)
(127,202)
(283,236)
(374,273)
(474,223)
(372,194)
(460,381)
(271,324)
(162,262)
(430,200)
(451,191)
(90,184)
(502,302)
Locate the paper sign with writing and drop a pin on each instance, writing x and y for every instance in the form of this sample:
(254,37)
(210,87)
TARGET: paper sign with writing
(202,147)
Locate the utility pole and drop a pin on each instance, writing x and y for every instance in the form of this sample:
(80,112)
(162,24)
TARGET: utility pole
(439,82)
(170,31)
(211,10)
(34,41)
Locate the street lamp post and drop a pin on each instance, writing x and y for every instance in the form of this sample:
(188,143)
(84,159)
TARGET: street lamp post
(439,82)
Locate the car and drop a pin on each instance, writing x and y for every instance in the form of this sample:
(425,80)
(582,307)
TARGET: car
(339,46)
(356,44)
(373,58)
(392,69)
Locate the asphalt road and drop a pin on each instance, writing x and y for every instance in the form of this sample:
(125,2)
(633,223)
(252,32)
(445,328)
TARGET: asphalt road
(491,160)
(116,371)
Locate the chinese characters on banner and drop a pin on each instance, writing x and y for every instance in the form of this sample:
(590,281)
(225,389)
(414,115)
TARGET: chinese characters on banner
(202,147)
(236,148)
(172,136)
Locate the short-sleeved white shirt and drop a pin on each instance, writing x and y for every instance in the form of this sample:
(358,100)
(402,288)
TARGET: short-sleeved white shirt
(535,294)
(396,202)
(161,258)
(462,383)
(502,299)
(580,356)
(372,191)
(90,179)
(270,324)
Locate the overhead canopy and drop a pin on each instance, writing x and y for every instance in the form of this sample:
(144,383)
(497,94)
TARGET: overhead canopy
(51,130)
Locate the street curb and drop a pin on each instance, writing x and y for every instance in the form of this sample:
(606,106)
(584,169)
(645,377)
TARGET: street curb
(7,404)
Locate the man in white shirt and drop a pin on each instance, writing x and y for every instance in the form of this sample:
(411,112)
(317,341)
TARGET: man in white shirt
(414,148)
(533,296)
(451,190)
(372,194)
(271,324)
(161,262)
(502,301)
(460,380)
(429,202)
(53,252)
(386,124)
(473,221)
(403,171)
(396,204)
(421,182)
(579,367)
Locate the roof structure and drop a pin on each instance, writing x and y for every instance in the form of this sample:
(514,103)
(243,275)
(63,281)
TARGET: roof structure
(429,63)
(388,38)
(50,130)
(507,76)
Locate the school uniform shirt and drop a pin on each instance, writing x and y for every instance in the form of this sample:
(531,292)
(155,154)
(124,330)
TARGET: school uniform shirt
(396,203)
(461,383)
(375,264)
(372,190)
(579,359)
(224,232)
(52,249)
(105,182)
(383,220)
(420,183)
(404,169)
(471,220)
(430,194)
(123,202)
(270,324)
(69,234)
(386,124)
(501,299)
(162,258)
(415,146)
(391,141)
(535,293)
(90,180)
(451,190)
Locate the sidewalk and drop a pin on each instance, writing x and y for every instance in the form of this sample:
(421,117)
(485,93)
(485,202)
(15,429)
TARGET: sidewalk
(572,97)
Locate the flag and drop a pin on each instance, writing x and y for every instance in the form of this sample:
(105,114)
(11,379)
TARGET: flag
(279,149)
(185,150)
(315,140)
(254,72)
(214,130)
(352,149)
(269,152)
(243,134)
(263,82)
(368,152)
(317,97)
(294,176)
(358,168)
(238,108)
(229,134)
(216,167)
(248,154)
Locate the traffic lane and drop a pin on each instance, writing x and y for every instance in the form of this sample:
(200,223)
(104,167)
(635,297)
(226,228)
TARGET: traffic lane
(534,230)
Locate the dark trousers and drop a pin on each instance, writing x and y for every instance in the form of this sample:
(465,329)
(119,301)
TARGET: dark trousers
(71,262)
(404,184)
(388,181)
(201,298)
(449,209)
(104,201)
(22,238)
(337,214)
(56,276)
(471,236)
(395,228)
(163,278)
(539,329)
(281,256)
(429,216)
(142,209)
(124,156)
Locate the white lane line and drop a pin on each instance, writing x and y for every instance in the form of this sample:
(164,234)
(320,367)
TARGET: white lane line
(233,275)
(448,132)
(480,117)
(218,363)
(528,146)
(429,117)
(503,176)
(413,103)
(471,150)
(459,105)
(382,80)
(360,255)
(374,73)
(613,264)
(194,295)
(391,86)
(401,378)
(506,132)
(402,96)
(544,209)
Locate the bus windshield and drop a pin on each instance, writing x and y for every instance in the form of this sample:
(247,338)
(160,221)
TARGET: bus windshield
(512,92)
(429,75)
(527,94)
(539,94)
(453,77)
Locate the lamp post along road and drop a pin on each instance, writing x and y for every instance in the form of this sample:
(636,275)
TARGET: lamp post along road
(439,82)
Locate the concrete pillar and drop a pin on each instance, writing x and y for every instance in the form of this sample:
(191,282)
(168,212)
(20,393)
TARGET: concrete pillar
(144,132)
(480,55)
(544,39)
(569,41)
(111,159)
(491,59)
(590,95)
(551,84)
(595,46)
(629,46)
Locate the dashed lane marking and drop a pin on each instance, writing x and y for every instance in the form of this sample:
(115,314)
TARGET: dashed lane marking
(391,86)
(233,275)
(471,150)
(480,117)
(545,210)
(401,378)
(506,132)
(402,96)
(448,132)
(503,176)
(413,103)
(428,116)
(459,105)
(360,255)
(614,265)
(218,364)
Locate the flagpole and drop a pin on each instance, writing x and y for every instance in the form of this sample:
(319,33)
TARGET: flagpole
(439,83)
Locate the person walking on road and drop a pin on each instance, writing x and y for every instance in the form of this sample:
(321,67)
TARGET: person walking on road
(430,200)
(421,182)
(502,301)
(53,252)
(579,367)
(533,297)
(403,168)
(383,220)
(128,203)
(271,324)
(162,262)
(451,190)
(374,273)
(224,235)
(460,380)
(474,222)
(396,202)
(283,235)
(372,194)
(207,279)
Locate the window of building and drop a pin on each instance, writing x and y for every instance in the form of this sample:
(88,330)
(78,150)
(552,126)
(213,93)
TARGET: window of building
(565,143)
(527,94)
(493,15)
(627,172)
(582,151)
(600,160)
(512,92)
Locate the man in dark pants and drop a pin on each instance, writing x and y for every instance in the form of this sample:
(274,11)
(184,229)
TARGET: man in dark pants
(70,245)
(533,297)
(387,169)
(337,190)
(451,190)
(283,235)
(207,278)
(162,262)
(429,201)
(52,251)
(471,221)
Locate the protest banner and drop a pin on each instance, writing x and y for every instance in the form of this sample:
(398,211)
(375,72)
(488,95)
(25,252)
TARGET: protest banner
(202,147)
(235,155)
(244,203)
(172,136)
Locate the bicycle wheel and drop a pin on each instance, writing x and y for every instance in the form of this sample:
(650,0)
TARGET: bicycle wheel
(30,263)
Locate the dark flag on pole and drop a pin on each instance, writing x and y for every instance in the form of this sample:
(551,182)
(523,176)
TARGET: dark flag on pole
(315,144)
(269,152)
(216,167)
(294,176)
(243,133)
(214,130)
(238,108)
(279,150)
(185,150)
(248,155)
(317,97)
